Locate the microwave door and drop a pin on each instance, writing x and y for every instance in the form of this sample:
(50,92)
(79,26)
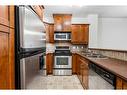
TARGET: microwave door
(60,37)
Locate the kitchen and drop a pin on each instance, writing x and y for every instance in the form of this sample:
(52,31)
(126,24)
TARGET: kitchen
(63,47)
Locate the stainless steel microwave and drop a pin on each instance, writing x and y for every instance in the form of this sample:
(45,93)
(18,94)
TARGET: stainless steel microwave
(62,36)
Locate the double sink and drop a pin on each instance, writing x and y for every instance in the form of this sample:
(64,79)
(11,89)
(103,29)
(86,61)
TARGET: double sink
(93,55)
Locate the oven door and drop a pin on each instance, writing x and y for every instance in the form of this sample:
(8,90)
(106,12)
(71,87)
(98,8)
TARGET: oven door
(63,62)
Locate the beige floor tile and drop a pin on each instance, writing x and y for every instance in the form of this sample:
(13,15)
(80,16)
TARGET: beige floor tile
(55,82)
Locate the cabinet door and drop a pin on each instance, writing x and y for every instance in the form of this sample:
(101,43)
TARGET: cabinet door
(4,15)
(81,71)
(125,85)
(85,74)
(67,23)
(119,83)
(75,34)
(49,63)
(7,74)
(80,34)
(78,65)
(4,60)
(83,34)
(51,34)
(58,22)
(74,63)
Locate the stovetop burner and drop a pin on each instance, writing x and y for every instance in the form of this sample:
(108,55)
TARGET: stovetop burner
(63,51)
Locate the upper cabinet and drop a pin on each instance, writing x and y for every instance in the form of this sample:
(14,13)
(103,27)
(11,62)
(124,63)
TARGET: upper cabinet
(62,22)
(80,33)
(67,22)
(4,15)
(39,10)
(58,22)
(49,32)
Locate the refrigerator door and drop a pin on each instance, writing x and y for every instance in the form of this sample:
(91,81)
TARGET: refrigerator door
(29,69)
(30,44)
(32,30)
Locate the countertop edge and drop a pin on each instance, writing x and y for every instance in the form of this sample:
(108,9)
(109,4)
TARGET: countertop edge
(102,66)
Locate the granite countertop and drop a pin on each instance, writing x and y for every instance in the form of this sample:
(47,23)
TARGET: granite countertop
(115,66)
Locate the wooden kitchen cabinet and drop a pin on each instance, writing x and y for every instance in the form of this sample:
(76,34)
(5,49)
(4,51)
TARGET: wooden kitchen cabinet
(78,65)
(67,22)
(80,75)
(74,64)
(125,85)
(58,22)
(49,32)
(75,34)
(120,83)
(49,63)
(83,71)
(4,59)
(80,34)
(84,29)
(7,64)
(62,22)
(4,15)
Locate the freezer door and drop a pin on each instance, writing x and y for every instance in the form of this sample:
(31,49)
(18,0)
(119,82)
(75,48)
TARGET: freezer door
(32,30)
(29,68)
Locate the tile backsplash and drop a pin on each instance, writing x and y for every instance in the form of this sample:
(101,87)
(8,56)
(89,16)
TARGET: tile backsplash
(110,53)
(75,48)
(50,48)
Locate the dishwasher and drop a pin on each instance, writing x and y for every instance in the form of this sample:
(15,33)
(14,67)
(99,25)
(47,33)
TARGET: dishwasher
(100,78)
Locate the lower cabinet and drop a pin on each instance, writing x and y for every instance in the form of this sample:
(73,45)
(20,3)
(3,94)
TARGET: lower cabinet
(4,60)
(74,64)
(83,71)
(85,74)
(121,84)
(49,63)
(124,84)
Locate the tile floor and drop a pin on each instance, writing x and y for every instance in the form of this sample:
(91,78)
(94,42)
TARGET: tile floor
(55,82)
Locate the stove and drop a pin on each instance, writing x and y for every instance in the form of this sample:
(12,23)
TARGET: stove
(63,61)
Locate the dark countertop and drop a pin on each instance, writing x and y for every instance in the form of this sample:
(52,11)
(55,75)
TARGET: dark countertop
(115,66)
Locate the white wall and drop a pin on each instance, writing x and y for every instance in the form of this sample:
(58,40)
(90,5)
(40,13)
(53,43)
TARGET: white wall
(79,20)
(112,33)
(93,30)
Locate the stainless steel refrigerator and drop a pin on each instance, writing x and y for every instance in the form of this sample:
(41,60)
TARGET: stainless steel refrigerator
(30,37)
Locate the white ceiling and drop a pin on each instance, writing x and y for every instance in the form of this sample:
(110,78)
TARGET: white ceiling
(83,11)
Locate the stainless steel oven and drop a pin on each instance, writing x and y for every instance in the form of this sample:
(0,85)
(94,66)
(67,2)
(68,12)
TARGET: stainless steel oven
(62,36)
(62,62)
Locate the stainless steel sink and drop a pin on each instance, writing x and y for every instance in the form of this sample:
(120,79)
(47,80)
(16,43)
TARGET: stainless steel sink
(94,56)
(91,55)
